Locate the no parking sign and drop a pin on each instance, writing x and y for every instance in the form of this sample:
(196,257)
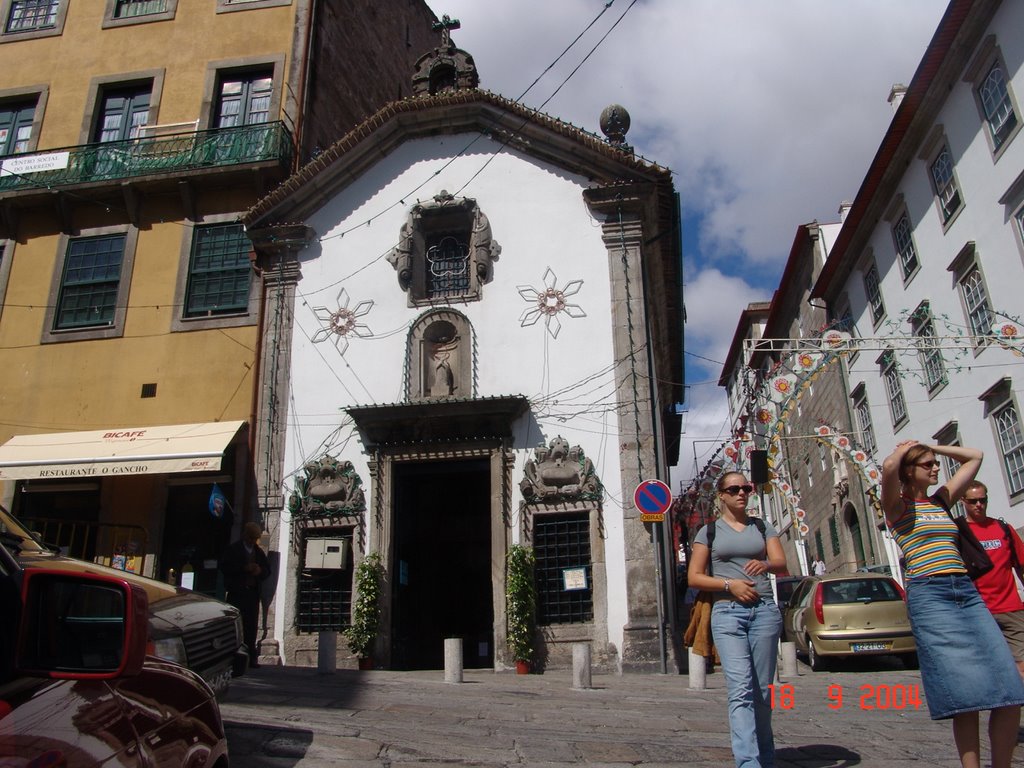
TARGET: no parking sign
(652,498)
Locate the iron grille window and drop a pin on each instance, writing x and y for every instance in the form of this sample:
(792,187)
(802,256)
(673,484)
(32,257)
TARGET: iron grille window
(88,290)
(1011,446)
(325,600)
(218,274)
(945,184)
(32,14)
(833,532)
(905,246)
(979,310)
(560,542)
(995,100)
(874,293)
(819,545)
(128,8)
(448,267)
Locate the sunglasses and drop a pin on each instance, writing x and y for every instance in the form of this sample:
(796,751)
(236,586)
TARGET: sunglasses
(979,500)
(732,490)
(929,464)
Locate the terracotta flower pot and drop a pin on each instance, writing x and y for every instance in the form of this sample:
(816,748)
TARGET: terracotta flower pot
(522,667)
(365,662)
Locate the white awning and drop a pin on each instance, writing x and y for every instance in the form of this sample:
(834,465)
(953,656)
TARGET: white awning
(117,452)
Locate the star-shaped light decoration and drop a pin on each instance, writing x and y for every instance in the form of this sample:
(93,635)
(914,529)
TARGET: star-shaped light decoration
(341,323)
(549,303)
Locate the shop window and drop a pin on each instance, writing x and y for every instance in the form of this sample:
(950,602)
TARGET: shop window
(561,543)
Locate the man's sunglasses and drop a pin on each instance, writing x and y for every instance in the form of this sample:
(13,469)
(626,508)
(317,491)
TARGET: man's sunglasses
(979,500)
(732,490)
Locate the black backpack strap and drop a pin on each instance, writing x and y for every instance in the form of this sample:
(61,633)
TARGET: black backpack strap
(1014,562)
(711,540)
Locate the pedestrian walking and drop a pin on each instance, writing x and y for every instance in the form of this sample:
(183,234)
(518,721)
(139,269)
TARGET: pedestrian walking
(245,566)
(998,587)
(818,567)
(732,557)
(966,665)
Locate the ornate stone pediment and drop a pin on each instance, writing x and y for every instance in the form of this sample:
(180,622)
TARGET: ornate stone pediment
(330,488)
(560,473)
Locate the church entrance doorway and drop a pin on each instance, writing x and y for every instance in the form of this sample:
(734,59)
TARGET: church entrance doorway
(441,584)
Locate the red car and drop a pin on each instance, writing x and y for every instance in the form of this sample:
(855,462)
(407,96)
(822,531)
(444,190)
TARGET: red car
(77,689)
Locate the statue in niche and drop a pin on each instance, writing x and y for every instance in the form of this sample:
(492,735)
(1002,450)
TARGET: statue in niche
(330,487)
(559,472)
(443,345)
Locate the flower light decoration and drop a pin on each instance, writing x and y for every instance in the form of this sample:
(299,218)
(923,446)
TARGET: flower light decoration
(341,323)
(549,303)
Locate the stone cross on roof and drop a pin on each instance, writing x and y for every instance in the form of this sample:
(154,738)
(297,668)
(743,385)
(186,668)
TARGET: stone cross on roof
(446,25)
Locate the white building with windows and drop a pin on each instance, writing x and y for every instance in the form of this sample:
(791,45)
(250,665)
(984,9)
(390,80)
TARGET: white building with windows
(929,264)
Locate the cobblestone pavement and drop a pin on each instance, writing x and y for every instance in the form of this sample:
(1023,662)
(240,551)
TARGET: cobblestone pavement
(864,715)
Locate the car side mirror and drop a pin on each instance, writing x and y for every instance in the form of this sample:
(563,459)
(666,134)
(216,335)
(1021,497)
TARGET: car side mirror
(81,626)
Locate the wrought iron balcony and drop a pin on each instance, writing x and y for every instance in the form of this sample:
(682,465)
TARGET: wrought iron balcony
(147,156)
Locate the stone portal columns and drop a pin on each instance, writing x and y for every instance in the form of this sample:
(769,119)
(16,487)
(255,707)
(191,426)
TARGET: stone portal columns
(622,210)
(277,249)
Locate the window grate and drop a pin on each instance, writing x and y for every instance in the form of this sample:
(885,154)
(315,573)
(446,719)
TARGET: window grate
(560,542)
(833,531)
(448,265)
(325,601)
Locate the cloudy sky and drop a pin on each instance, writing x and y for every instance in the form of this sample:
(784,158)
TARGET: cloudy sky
(767,112)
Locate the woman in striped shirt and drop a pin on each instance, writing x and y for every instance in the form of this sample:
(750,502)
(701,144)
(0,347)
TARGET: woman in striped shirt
(966,665)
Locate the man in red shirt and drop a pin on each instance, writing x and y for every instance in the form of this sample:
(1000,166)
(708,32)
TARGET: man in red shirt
(997,587)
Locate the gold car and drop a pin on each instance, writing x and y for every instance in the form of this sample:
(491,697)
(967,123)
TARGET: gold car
(854,614)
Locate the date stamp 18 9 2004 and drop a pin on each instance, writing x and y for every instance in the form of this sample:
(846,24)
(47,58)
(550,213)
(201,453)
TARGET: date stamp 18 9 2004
(867,697)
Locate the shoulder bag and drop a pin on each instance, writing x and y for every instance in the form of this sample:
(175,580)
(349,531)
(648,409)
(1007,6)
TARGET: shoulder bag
(975,558)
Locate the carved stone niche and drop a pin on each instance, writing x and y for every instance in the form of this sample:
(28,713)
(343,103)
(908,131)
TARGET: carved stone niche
(445,251)
(441,356)
(330,488)
(559,473)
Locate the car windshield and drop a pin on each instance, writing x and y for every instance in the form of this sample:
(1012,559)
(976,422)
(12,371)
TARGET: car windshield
(15,534)
(859,591)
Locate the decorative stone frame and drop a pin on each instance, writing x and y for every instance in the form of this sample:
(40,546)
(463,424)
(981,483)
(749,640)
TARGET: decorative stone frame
(445,215)
(31,34)
(441,343)
(962,267)
(557,639)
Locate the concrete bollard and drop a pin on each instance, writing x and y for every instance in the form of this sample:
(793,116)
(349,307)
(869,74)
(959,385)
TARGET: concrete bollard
(581,665)
(453,659)
(327,652)
(698,669)
(788,651)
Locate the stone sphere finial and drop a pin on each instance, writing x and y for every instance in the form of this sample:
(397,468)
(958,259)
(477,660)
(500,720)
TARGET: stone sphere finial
(614,124)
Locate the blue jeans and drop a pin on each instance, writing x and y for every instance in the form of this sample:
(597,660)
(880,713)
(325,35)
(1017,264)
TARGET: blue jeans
(747,639)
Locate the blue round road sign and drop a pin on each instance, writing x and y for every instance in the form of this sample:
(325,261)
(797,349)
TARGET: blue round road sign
(652,497)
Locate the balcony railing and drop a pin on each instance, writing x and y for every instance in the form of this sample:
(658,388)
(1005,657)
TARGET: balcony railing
(132,158)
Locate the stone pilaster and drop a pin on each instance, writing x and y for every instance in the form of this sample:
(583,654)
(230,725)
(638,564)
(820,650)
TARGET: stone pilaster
(277,250)
(621,210)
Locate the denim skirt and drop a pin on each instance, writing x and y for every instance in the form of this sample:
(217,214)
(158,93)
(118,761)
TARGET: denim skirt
(966,664)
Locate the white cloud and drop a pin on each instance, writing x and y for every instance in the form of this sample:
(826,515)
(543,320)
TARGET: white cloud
(768,112)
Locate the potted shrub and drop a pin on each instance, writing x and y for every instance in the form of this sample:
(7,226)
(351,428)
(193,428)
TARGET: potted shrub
(521,604)
(362,633)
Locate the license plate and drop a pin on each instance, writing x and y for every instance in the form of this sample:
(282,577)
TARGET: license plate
(863,647)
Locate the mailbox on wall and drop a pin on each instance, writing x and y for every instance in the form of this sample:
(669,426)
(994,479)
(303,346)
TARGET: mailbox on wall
(329,554)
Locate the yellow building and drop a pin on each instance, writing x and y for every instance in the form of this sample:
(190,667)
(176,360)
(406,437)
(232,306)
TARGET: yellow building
(132,135)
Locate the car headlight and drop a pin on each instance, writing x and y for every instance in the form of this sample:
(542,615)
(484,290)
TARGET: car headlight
(171,649)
